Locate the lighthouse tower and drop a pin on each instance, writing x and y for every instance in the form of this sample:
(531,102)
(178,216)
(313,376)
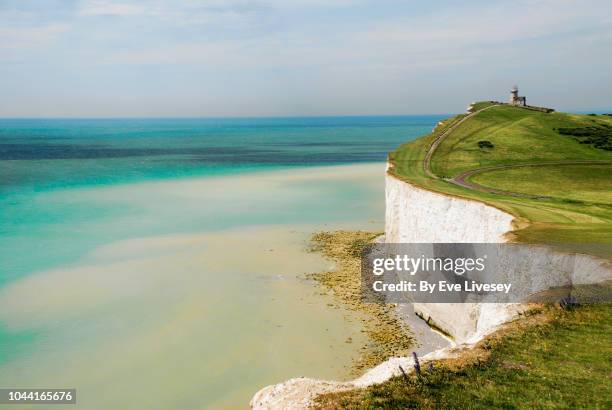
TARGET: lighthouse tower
(515,99)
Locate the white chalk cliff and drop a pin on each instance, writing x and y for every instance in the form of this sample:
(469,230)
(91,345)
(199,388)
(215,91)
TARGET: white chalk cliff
(416,215)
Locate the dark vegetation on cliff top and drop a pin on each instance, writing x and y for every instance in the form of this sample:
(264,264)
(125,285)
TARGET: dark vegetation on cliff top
(600,135)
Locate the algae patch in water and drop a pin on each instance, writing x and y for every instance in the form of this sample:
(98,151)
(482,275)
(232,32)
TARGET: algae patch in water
(387,335)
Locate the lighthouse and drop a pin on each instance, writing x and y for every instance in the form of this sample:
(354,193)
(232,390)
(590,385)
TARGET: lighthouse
(515,99)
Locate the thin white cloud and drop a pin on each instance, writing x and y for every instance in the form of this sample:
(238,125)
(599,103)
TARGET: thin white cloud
(166,14)
(17,37)
(192,8)
(483,26)
(456,37)
(110,8)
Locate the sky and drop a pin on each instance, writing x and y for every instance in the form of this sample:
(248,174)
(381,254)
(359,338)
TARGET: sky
(211,58)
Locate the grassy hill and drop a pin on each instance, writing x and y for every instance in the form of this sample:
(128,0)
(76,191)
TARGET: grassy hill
(551,170)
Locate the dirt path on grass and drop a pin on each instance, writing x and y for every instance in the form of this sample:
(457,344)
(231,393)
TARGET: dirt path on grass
(434,145)
(462,179)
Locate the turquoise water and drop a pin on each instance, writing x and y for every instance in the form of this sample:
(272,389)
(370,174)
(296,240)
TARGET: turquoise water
(40,156)
(158,263)
(43,154)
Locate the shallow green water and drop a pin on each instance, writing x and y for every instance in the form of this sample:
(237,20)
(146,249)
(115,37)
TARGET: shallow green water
(159,264)
(196,318)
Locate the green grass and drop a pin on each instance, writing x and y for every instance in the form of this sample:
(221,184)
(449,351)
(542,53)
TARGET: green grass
(521,136)
(563,362)
(585,183)
(518,135)
(480,105)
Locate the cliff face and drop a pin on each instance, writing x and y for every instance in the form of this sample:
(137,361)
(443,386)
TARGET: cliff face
(415,215)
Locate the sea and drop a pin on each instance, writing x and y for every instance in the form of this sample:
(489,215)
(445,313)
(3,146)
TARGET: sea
(159,263)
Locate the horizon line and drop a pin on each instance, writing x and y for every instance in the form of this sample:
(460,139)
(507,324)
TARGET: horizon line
(169,117)
(218,117)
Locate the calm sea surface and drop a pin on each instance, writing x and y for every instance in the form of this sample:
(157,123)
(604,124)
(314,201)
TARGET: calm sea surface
(156,263)
(37,156)
(45,154)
